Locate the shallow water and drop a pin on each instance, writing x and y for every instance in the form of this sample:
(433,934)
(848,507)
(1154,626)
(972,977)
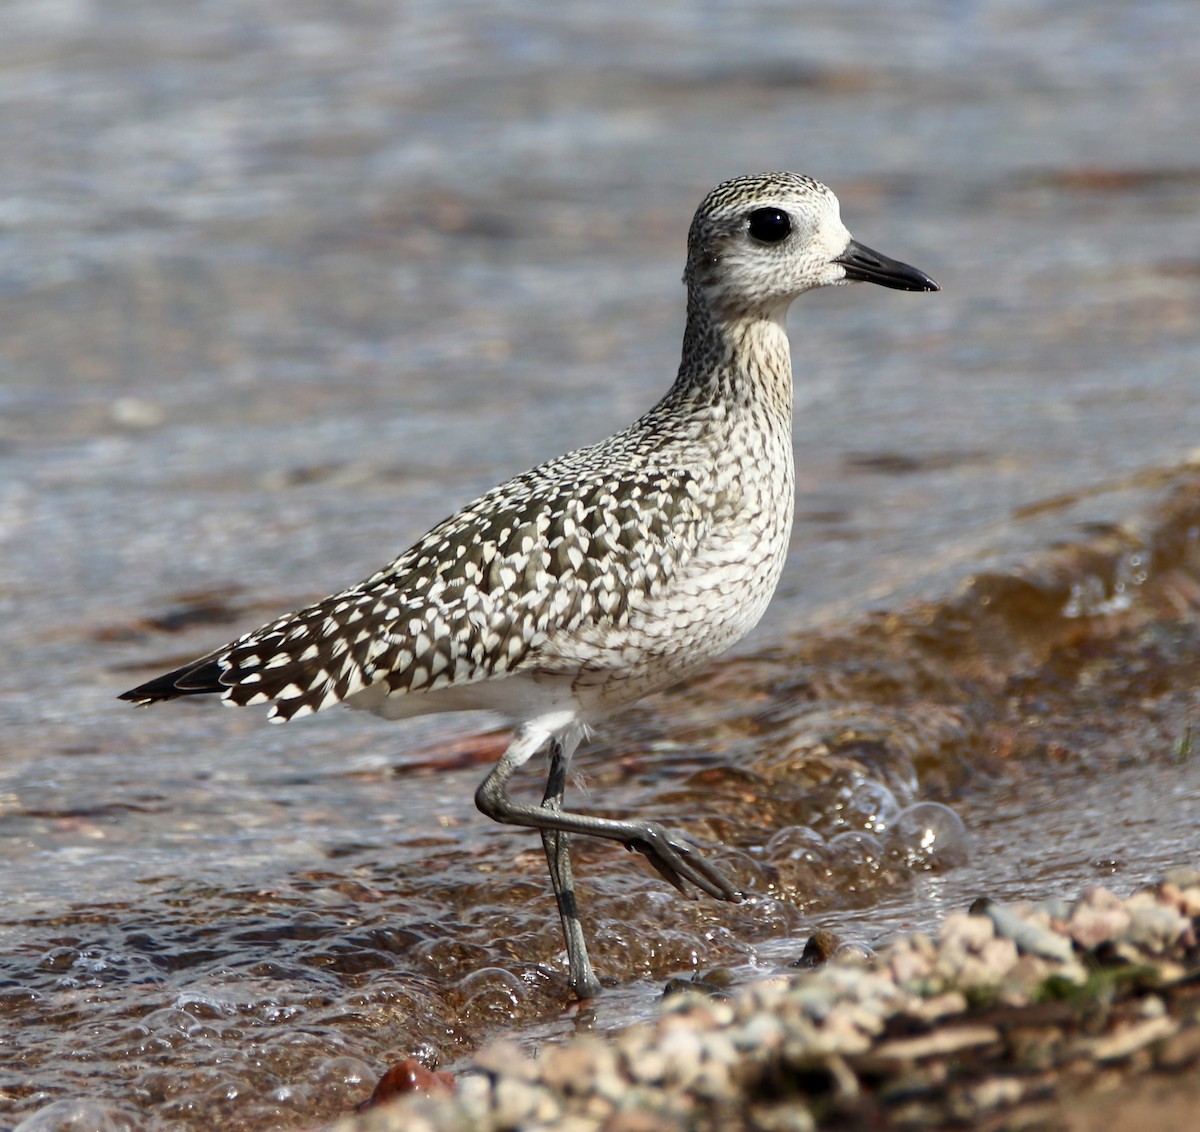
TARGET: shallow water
(282,287)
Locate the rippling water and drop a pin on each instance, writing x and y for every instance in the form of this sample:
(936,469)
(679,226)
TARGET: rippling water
(283,286)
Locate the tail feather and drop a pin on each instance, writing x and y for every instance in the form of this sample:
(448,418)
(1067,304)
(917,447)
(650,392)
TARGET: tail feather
(197,678)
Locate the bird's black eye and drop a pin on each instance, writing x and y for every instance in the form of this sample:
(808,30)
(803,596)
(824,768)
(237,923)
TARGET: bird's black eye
(770,225)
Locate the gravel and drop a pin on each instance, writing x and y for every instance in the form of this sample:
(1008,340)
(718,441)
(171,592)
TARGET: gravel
(1005,1006)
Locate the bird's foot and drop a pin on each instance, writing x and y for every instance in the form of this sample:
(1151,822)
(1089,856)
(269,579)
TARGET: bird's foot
(678,864)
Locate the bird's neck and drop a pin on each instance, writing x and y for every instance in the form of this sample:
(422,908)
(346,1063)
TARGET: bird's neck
(740,361)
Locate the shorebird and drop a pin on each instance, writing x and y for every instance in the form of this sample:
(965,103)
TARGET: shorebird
(578,587)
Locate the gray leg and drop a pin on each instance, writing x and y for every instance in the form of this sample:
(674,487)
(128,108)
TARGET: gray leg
(558,856)
(675,861)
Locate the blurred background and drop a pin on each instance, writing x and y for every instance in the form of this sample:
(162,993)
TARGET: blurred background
(283,284)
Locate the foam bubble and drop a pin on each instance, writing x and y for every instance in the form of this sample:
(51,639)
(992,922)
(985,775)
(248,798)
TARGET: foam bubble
(929,836)
(75,1116)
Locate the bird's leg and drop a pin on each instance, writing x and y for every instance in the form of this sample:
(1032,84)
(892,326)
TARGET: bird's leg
(557,844)
(674,860)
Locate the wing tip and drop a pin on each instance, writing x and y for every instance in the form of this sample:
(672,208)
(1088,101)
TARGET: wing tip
(195,679)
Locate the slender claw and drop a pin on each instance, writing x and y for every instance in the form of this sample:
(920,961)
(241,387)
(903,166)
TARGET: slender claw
(665,870)
(676,863)
(725,890)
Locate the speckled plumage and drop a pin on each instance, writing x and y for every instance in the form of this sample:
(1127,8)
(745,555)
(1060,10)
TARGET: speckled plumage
(603,574)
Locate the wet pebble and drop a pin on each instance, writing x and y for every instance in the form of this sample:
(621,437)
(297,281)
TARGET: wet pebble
(1028,933)
(819,949)
(408,1076)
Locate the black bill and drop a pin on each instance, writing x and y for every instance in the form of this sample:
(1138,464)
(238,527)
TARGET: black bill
(861,263)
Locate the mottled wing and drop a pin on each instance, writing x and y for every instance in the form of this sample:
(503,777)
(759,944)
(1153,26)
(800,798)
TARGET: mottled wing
(475,599)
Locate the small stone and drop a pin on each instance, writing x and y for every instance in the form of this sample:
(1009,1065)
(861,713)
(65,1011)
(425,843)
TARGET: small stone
(1154,925)
(506,1059)
(1098,917)
(1030,933)
(764,996)
(1000,955)
(944,1005)
(788,1117)
(842,1032)
(1186,901)
(818,950)
(995,1092)
(681,1047)
(609,1085)
(577,1122)
(573,1068)
(963,932)
(721,977)
(475,1095)
(408,1076)
(1120,1045)
(713,1082)
(514,1102)
(909,963)
(1153,1007)
(1024,979)
(937,1044)
(761,1032)
(650,1067)
(635,1121)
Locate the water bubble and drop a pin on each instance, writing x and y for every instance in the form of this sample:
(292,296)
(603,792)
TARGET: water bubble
(74,1116)
(871,806)
(344,1080)
(929,836)
(796,843)
(59,959)
(899,775)
(448,956)
(855,951)
(801,861)
(491,993)
(856,859)
(747,874)
(856,849)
